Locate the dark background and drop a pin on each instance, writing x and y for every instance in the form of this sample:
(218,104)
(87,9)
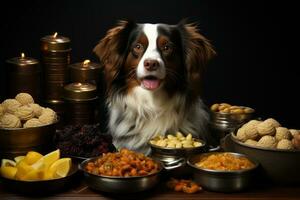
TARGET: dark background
(254,41)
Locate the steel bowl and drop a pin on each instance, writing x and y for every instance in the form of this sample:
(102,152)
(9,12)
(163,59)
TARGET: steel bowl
(114,184)
(222,124)
(174,159)
(42,187)
(18,141)
(229,121)
(221,180)
(277,165)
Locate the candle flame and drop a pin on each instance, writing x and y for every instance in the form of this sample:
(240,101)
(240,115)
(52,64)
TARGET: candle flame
(86,62)
(22,55)
(55,34)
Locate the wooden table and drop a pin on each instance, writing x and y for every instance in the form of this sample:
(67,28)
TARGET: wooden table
(80,191)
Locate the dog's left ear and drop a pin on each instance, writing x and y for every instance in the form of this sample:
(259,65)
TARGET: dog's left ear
(197,52)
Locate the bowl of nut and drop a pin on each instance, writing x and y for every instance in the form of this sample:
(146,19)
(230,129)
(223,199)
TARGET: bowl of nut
(275,147)
(226,118)
(25,126)
(173,150)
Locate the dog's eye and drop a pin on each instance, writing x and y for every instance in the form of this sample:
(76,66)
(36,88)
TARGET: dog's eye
(167,48)
(138,48)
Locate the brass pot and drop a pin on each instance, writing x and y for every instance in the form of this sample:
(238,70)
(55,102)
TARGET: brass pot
(18,141)
(81,99)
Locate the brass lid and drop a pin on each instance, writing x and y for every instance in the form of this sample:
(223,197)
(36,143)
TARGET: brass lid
(80,91)
(55,43)
(23,63)
(86,65)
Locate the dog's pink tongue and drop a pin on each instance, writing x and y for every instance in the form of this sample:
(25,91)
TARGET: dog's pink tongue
(151,84)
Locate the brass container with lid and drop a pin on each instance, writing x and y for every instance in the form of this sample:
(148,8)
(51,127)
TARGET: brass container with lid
(81,99)
(55,51)
(24,75)
(85,72)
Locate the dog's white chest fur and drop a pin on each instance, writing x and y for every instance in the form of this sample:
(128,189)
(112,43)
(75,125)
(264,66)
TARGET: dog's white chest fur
(141,115)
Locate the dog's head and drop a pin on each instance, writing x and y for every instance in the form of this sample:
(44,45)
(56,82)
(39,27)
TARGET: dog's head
(154,57)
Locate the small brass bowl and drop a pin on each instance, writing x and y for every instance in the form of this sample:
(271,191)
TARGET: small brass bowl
(18,141)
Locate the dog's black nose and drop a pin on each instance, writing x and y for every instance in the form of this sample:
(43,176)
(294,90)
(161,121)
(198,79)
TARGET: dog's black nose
(151,65)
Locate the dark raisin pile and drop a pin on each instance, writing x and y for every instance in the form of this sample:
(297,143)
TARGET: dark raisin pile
(83,141)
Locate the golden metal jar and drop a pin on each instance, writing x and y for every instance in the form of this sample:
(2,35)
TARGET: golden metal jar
(81,99)
(24,75)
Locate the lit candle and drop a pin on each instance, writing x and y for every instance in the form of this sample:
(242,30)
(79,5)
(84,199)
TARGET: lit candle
(55,59)
(85,71)
(24,75)
(55,42)
(56,51)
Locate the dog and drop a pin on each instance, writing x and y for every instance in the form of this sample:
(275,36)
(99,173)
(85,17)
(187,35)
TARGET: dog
(153,76)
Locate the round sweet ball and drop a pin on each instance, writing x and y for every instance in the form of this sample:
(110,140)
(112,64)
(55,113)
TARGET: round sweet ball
(10,121)
(11,105)
(282,133)
(266,128)
(34,122)
(24,98)
(48,116)
(37,109)
(241,135)
(285,144)
(267,141)
(24,113)
(274,122)
(2,110)
(251,142)
(294,132)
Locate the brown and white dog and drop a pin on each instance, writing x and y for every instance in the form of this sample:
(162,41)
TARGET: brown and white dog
(153,75)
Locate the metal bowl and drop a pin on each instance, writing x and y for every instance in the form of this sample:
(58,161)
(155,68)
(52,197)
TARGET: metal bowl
(279,166)
(174,159)
(229,121)
(42,187)
(114,184)
(177,152)
(222,124)
(220,180)
(18,141)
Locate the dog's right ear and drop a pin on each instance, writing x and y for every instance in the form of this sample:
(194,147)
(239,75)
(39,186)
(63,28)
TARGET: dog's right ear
(112,47)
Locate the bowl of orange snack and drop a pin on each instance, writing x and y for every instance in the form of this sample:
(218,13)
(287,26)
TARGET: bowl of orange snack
(121,172)
(223,171)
